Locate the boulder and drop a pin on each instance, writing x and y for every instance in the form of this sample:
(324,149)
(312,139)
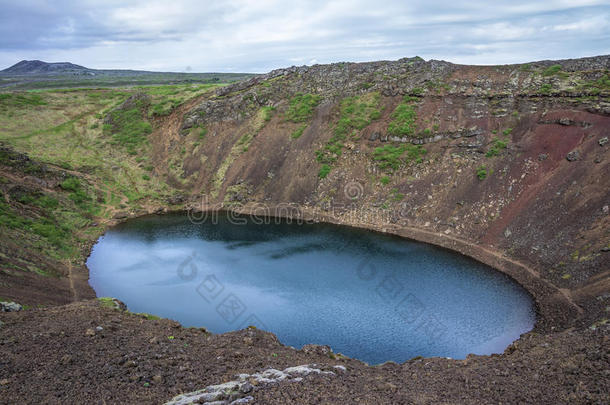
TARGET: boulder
(6,306)
(323,350)
(573,155)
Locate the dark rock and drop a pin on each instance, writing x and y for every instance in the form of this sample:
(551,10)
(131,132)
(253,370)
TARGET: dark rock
(121,215)
(374,136)
(603,141)
(573,155)
(175,200)
(565,121)
(473,143)
(245,388)
(542,157)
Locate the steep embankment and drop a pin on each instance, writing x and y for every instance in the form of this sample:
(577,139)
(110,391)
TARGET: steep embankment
(507,164)
(503,159)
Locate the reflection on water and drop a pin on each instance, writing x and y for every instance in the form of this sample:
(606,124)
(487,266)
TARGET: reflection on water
(369,296)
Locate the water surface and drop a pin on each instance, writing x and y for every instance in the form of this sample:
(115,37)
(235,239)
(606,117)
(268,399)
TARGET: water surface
(369,296)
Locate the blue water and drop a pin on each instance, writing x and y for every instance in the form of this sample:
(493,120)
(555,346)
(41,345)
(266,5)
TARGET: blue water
(366,295)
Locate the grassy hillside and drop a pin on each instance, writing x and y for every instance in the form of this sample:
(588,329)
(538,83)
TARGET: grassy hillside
(89,159)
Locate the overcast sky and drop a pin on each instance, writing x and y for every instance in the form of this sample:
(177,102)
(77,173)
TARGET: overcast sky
(260,35)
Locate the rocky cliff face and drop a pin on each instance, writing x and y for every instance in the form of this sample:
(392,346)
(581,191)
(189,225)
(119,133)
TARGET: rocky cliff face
(510,158)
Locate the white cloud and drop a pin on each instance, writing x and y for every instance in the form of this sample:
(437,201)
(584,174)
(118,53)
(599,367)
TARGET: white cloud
(258,36)
(503,31)
(598,23)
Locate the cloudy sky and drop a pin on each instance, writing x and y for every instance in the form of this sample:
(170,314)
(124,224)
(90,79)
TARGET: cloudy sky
(260,35)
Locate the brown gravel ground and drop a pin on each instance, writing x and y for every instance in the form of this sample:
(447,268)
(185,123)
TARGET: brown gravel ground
(56,355)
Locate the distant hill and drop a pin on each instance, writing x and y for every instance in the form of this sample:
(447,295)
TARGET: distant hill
(37,74)
(26,67)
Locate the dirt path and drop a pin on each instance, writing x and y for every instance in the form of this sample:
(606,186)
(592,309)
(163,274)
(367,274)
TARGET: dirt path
(567,294)
(75,295)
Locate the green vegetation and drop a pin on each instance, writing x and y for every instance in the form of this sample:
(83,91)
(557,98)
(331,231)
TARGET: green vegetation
(71,184)
(482,172)
(497,146)
(396,195)
(267,113)
(437,85)
(546,88)
(128,127)
(301,110)
(403,119)
(551,70)
(8,217)
(301,107)
(164,107)
(77,192)
(20,100)
(63,128)
(148,316)
(417,91)
(298,132)
(392,157)
(355,114)
(595,87)
(169,97)
(51,226)
(324,170)
(110,79)
(107,302)
(47,202)
(385,180)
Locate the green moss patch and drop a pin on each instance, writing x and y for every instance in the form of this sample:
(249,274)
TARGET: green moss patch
(391,157)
